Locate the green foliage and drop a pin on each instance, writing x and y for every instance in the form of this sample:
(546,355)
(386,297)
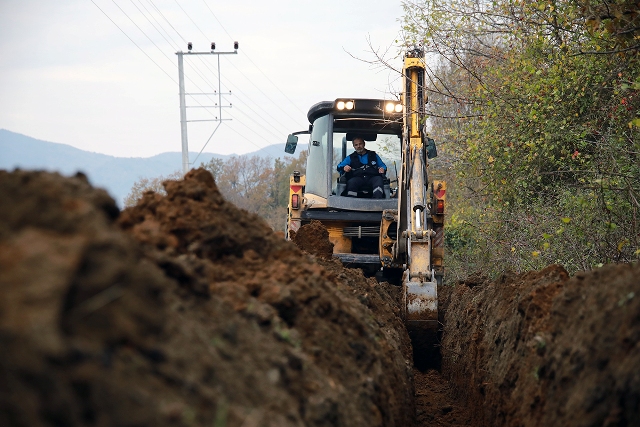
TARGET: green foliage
(569,231)
(536,103)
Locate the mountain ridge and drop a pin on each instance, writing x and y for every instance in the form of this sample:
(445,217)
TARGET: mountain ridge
(115,174)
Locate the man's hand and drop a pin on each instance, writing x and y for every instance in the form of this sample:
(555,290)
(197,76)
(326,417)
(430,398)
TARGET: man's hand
(348,168)
(381,171)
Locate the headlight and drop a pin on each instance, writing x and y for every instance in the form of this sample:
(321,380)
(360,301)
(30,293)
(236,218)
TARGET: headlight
(398,108)
(389,107)
(349,105)
(340,105)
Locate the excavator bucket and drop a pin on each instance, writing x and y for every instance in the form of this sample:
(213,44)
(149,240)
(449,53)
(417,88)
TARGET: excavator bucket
(421,321)
(421,304)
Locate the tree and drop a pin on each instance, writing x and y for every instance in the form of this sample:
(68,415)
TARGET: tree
(143,185)
(244,182)
(537,103)
(256,184)
(215,166)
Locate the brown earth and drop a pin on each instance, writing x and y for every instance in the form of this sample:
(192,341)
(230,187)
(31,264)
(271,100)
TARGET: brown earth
(313,238)
(546,349)
(185,310)
(195,314)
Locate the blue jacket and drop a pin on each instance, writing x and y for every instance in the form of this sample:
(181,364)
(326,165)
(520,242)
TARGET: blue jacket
(364,159)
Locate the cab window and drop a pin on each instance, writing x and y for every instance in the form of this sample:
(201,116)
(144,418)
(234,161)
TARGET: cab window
(317,165)
(386,146)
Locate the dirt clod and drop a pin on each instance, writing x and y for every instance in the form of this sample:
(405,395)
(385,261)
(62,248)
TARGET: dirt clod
(313,238)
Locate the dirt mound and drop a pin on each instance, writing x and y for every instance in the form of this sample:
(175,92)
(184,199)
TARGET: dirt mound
(543,349)
(313,238)
(183,311)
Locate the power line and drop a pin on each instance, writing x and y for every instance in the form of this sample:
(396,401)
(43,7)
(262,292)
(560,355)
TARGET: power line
(240,71)
(250,60)
(202,60)
(166,20)
(253,118)
(247,104)
(194,23)
(172,43)
(179,35)
(229,84)
(126,35)
(149,38)
(154,43)
(261,137)
(132,41)
(260,90)
(138,27)
(149,20)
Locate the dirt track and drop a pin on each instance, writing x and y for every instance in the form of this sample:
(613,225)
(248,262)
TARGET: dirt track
(187,311)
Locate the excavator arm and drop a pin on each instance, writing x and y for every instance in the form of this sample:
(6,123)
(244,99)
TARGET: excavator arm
(417,215)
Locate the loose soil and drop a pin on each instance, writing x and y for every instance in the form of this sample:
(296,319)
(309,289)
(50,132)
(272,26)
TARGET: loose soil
(546,349)
(313,238)
(183,310)
(187,311)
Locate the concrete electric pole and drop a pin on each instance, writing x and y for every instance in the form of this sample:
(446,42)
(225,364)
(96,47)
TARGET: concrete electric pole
(183,105)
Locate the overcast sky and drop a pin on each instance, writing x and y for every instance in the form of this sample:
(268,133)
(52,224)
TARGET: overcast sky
(71,75)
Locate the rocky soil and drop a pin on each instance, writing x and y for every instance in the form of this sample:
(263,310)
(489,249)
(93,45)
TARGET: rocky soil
(187,311)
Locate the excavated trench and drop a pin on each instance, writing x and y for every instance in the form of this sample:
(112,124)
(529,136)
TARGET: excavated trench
(185,310)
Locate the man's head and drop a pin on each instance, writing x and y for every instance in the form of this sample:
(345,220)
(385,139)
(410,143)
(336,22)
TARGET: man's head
(358,144)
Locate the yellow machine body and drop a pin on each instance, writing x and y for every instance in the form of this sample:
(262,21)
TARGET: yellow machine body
(401,237)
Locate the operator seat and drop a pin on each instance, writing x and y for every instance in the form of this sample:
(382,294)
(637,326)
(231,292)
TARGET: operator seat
(365,192)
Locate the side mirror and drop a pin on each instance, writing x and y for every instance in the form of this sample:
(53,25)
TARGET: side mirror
(292,143)
(431,148)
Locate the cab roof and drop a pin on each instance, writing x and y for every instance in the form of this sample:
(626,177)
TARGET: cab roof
(367,114)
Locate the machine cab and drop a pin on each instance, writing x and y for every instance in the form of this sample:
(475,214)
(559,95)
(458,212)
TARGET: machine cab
(334,124)
(353,223)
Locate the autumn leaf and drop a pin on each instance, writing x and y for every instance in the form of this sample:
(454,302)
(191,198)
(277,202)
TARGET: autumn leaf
(622,244)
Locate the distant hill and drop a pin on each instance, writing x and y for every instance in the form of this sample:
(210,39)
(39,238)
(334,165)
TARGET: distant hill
(115,174)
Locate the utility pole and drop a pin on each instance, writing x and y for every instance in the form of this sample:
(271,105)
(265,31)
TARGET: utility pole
(183,116)
(183,106)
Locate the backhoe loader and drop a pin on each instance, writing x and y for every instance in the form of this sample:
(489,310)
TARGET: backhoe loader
(401,236)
